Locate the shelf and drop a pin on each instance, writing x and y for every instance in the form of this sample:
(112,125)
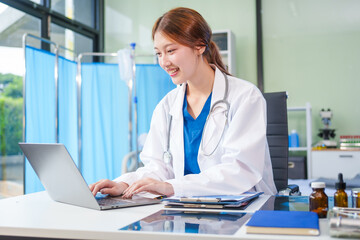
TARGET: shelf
(295,149)
(224,52)
(225,40)
(297,108)
(307,149)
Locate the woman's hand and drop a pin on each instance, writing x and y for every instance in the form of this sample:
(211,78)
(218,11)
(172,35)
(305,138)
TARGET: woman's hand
(149,185)
(106,186)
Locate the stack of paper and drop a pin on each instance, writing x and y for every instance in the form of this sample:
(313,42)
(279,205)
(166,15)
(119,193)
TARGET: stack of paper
(216,201)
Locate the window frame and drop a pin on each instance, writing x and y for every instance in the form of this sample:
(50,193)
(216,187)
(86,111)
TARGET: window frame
(47,16)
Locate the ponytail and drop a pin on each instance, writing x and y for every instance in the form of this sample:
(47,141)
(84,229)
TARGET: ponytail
(213,56)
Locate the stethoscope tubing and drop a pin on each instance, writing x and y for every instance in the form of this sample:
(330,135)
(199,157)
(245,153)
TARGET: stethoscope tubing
(167,154)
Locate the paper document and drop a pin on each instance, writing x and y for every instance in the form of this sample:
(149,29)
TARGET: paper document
(213,201)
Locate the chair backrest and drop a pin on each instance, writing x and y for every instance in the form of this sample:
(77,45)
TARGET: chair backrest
(277,136)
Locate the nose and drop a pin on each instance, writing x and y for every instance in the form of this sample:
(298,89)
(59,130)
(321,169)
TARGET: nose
(164,61)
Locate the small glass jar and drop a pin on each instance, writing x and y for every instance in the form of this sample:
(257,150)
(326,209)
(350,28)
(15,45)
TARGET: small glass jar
(318,200)
(355,194)
(340,196)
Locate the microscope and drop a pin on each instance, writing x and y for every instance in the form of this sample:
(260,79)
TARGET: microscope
(326,133)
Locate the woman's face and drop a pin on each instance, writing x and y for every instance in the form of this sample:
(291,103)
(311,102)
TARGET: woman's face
(179,61)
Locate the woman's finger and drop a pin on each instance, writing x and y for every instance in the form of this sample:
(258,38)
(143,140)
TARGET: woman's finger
(129,192)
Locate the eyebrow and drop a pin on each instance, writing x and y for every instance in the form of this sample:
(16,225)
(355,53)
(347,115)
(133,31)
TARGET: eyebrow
(166,45)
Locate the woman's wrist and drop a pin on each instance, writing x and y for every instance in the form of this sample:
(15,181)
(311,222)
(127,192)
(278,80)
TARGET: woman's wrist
(170,189)
(123,185)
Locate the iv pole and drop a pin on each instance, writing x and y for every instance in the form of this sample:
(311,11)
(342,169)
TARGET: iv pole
(133,82)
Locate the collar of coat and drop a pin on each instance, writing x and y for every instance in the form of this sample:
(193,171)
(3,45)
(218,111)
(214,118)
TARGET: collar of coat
(218,93)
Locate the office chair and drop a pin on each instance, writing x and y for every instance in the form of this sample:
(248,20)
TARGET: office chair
(277,137)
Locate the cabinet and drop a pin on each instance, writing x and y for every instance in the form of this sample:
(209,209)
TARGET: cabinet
(306,148)
(328,163)
(225,40)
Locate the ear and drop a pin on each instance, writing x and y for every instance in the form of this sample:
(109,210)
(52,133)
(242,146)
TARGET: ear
(200,49)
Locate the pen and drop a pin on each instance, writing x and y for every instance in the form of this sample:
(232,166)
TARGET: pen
(160,197)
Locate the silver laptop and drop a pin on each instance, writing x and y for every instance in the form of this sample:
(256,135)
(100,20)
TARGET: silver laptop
(63,181)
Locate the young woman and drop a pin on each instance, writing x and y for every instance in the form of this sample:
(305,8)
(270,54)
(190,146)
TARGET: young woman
(208,136)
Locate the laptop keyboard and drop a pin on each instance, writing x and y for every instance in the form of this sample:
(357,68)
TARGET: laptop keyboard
(110,202)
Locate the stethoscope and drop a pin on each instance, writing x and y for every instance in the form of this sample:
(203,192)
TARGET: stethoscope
(167,156)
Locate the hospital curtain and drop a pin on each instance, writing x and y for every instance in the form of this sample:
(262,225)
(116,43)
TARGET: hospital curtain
(152,84)
(68,114)
(104,104)
(39,106)
(105,114)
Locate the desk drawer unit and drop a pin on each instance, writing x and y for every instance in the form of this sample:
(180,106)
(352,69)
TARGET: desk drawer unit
(329,163)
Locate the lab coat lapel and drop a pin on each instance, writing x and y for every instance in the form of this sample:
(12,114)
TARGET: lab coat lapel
(177,133)
(218,88)
(217,118)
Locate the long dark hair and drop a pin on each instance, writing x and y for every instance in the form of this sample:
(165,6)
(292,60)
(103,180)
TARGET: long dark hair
(187,27)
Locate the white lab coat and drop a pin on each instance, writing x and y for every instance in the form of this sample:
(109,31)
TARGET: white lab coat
(241,162)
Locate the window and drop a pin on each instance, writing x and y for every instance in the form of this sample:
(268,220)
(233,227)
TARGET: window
(74,24)
(13,25)
(79,10)
(70,40)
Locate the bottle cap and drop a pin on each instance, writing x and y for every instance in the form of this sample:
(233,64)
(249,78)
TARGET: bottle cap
(317,185)
(340,184)
(355,191)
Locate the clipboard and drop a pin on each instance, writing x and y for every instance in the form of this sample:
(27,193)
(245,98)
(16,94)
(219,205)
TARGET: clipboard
(240,201)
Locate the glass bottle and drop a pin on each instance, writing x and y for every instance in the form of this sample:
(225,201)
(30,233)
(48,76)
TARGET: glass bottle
(340,196)
(355,193)
(318,200)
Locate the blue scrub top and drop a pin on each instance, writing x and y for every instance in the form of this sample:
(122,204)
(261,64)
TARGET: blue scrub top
(193,129)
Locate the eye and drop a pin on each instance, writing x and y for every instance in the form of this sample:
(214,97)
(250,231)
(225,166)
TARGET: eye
(170,51)
(158,54)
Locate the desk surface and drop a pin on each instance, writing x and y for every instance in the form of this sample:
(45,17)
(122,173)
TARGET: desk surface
(36,215)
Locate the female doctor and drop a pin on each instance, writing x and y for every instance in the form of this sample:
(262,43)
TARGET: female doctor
(208,136)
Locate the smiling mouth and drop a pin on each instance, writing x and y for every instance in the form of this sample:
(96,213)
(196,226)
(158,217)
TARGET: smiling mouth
(173,71)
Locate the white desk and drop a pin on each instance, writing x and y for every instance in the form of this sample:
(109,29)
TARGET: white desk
(36,215)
